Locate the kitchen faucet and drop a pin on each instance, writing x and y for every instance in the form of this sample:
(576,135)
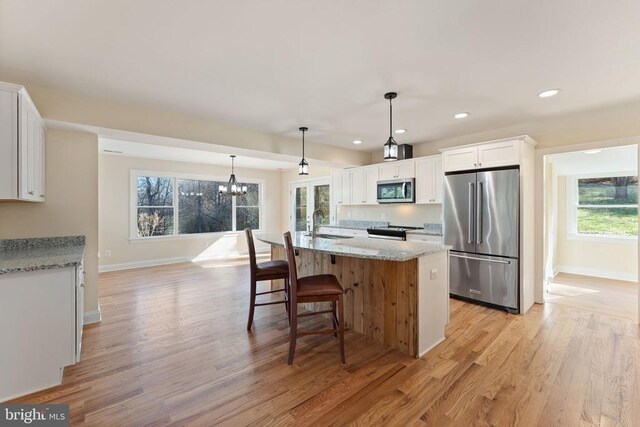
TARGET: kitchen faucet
(314,222)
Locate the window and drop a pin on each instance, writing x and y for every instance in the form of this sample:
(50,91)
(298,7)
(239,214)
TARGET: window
(176,205)
(155,211)
(605,206)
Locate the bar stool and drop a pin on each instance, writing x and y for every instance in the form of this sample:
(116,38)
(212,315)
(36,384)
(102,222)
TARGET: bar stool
(271,270)
(319,288)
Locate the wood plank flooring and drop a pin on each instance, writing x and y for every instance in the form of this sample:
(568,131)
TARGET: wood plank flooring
(172,349)
(616,298)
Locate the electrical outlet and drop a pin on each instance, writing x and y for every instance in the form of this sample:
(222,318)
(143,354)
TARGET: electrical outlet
(433,273)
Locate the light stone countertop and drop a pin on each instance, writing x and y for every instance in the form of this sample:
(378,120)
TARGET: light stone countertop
(357,247)
(19,255)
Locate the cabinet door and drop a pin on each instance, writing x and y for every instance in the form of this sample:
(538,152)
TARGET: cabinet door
(336,188)
(8,144)
(371,185)
(357,186)
(499,154)
(29,174)
(424,180)
(460,159)
(345,178)
(406,169)
(388,171)
(438,179)
(42,162)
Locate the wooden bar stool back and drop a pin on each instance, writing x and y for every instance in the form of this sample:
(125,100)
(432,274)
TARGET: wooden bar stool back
(271,270)
(319,288)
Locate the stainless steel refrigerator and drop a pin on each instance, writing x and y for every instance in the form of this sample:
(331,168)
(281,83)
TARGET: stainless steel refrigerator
(481,223)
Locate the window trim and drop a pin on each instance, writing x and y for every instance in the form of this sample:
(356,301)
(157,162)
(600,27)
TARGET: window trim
(133,205)
(572,210)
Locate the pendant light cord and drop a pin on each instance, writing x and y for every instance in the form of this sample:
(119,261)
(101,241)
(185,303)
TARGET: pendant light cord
(303,144)
(390,118)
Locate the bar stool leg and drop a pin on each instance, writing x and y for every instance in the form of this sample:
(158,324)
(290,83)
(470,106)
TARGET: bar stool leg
(293,332)
(252,304)
(335,319)
(341,322)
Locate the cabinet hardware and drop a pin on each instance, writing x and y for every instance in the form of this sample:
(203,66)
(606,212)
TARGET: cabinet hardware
(42,195)
(32,192)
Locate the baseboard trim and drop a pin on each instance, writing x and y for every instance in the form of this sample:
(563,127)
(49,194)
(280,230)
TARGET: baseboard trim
(94,316)
(606,274)
(164,261)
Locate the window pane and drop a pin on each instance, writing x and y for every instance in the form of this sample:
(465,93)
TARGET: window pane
(608,221)
(155,191)
(608,191)
(201,209)
(301,209)
(155,222)
(247,217)
(321,203)
(252,198)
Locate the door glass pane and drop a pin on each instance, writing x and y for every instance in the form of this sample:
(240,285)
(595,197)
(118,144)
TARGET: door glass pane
(322,207)
(300,209)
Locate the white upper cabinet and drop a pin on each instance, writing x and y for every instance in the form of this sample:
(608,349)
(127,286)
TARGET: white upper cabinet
(364,183)
(486,155)
(400,169)
(429,179)
(22,146)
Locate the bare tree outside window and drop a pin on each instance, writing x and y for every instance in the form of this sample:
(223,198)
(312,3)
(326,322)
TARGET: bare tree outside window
(199,207)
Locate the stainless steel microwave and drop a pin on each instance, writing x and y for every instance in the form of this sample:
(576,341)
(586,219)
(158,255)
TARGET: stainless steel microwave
(397,191)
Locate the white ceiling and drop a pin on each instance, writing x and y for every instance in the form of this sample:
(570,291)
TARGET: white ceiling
(276,65)
(609,160)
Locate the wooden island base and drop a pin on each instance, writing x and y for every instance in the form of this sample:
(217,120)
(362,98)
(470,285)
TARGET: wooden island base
(398,303)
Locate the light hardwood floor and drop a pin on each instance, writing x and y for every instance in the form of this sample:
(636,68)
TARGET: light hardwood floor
(609,297)
(173,350)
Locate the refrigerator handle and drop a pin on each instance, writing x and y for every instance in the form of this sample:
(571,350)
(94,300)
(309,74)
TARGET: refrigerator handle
(470,230)
(479,213)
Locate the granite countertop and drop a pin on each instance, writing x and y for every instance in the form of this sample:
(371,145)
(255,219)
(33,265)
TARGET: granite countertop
(386,250)
(19,255)
(429,230)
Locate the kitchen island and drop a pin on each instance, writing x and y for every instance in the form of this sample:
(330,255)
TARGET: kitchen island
(396,292)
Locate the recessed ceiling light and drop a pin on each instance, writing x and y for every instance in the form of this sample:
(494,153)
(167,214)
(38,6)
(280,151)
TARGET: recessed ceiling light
(548,93)
(401,130)
(357,141)
(461,115)
(594,151)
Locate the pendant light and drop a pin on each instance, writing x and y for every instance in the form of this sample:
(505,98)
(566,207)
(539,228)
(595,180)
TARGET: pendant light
(390,147)
(303,166)
(232,188)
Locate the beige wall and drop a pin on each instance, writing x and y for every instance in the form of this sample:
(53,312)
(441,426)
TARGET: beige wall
(114,191)
(613,260)
(71,206)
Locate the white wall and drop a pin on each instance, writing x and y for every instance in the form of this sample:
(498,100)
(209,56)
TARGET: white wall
(114,214)
(400,214)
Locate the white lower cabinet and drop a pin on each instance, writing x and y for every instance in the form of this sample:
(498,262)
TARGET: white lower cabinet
(40,328)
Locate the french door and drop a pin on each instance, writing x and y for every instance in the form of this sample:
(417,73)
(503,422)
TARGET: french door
(307,197)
